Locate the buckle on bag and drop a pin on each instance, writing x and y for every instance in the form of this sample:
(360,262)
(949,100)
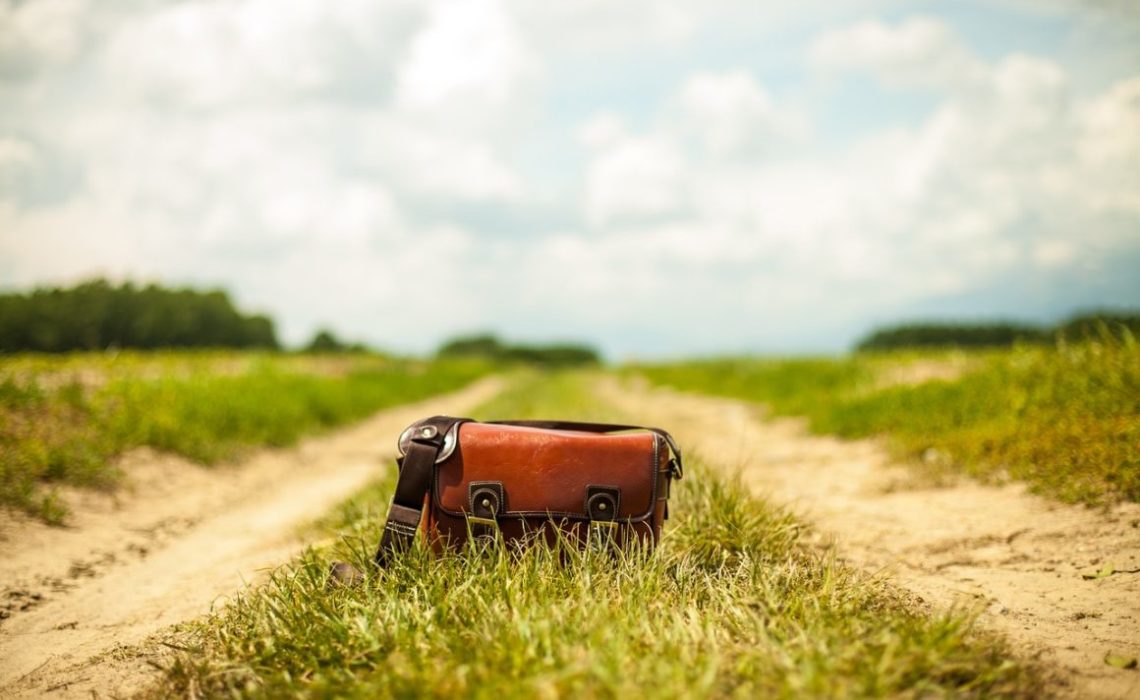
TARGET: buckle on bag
(485,500)
(602,504)
(450,439)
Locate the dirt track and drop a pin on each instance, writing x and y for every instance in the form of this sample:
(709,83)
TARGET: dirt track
(184,537)
(1017,558)
(178,539)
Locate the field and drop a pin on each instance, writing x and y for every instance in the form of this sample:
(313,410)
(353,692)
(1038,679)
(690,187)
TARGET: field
(735,604)
(64,419)
(1064,419)
(745,597)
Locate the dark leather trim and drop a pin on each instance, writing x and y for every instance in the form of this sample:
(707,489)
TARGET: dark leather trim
(406,511)
(655,461)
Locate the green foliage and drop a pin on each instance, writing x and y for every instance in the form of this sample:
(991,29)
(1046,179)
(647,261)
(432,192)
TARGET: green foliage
(97,315)
(1065,419)
(489,347)
(55,429)
(919,335)
(325,341)
(1100,325)
(735,603)
(1093,325)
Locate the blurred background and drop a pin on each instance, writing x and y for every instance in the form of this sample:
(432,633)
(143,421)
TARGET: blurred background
(655,178)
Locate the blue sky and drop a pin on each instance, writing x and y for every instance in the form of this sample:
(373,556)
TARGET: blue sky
(659,178)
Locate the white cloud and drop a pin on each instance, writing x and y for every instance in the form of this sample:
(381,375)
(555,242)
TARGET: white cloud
(1108,150)
(18,159)
(919,51)
(437,164)
(590,27)
(986,187)
(635,178)
(202,54)
(332,161)
(730,115)
(39,35)
(470,57)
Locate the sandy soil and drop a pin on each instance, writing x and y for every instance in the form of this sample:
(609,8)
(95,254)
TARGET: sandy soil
(79,606)
(1024,562)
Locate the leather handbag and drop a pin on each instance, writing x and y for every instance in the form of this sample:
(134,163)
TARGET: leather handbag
(522,480)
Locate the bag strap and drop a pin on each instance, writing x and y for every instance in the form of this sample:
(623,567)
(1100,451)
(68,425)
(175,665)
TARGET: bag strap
(427,438)
(415,479)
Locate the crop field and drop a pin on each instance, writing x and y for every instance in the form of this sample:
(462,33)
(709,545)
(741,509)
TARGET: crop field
(63,419)
(1065,419)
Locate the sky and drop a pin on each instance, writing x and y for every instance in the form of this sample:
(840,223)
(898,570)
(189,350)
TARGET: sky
(657,178)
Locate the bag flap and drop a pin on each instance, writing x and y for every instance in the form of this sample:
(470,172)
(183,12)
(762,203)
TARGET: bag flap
(546,472)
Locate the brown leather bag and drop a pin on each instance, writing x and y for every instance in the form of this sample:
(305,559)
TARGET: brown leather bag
(460,478)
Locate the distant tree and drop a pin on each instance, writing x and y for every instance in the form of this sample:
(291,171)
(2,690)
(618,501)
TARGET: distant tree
(481,345)
(488,346)
(1098,324)
(1090,325)
(325,341)
(96,314)
(946,334)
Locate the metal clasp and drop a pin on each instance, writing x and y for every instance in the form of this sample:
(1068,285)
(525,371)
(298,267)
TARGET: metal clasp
(450,439)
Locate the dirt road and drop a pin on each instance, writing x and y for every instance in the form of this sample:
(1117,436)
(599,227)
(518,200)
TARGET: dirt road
(179,538)
(1020,559)
(183,537)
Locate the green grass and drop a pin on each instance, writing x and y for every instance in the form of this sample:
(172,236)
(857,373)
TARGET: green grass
(64,419)
(735,603)
(1064,419)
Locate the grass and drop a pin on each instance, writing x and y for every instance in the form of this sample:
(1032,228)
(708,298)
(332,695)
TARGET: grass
(735,603)
(1064,419)
(64,419)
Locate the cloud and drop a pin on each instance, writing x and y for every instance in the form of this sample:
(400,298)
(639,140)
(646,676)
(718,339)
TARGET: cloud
(208,55)
(350,163)
(991,185)
(591,27)
(279,148)
(917,52)
(35,36)
(631,177)
(730,115)
(18,161)
(1108,150)
(470,57)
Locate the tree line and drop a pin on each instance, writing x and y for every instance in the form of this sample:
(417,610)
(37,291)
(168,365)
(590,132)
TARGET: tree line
(97,315)
(1090,325)
(490,347)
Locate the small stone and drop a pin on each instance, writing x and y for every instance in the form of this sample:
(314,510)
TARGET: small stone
(344,575)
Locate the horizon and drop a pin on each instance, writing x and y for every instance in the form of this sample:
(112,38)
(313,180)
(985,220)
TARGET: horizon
(658,180)
(958,326)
